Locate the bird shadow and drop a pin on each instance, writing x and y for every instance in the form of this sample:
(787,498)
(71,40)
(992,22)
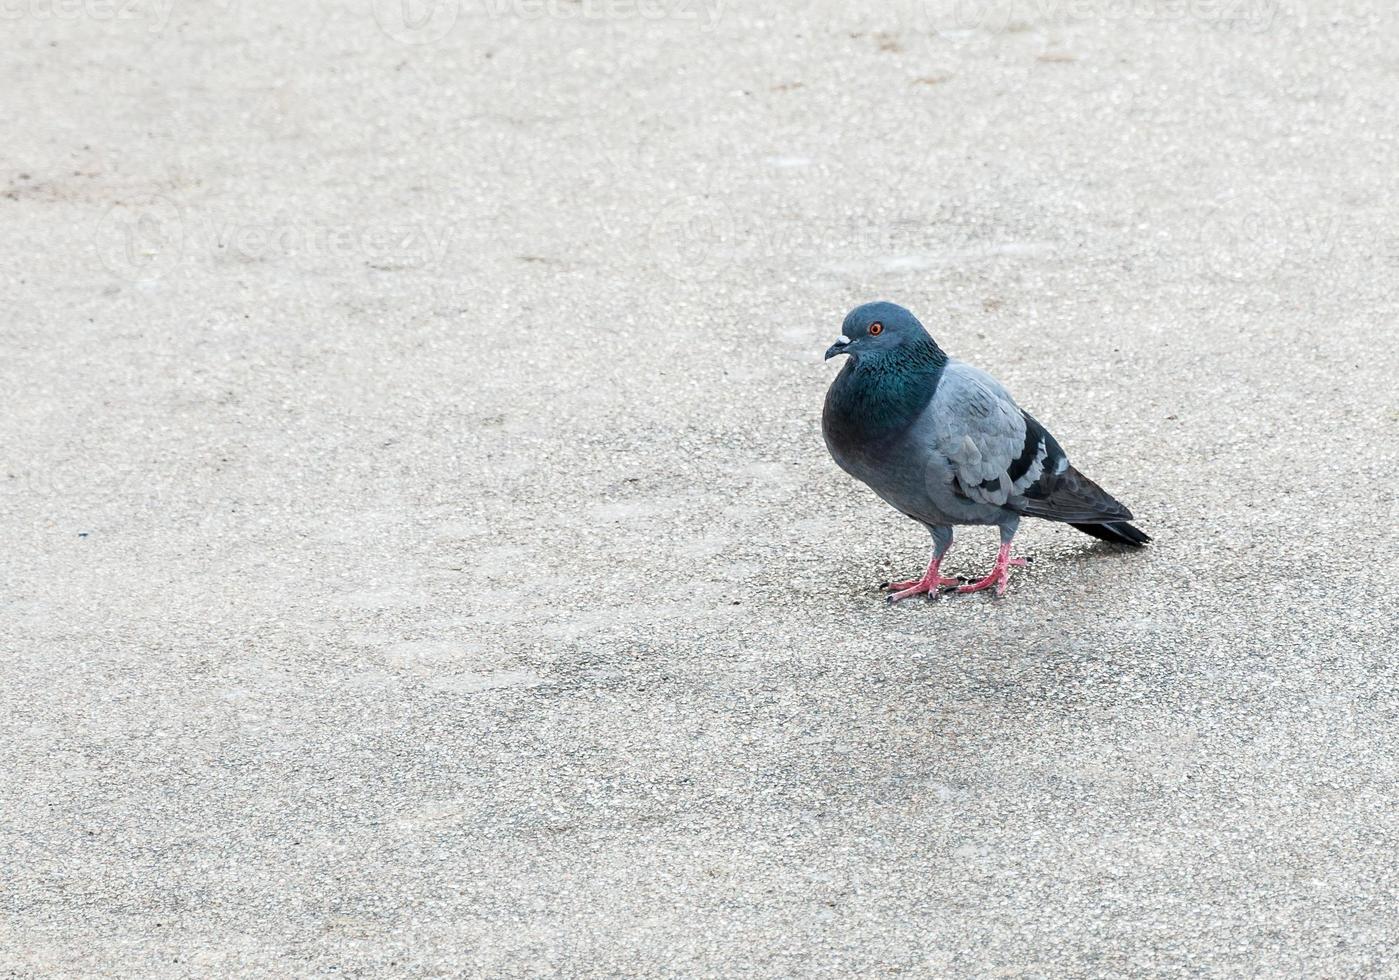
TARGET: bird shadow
(1079,554)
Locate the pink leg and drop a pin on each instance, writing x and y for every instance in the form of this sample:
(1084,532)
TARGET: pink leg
(928,584)
(1000,574)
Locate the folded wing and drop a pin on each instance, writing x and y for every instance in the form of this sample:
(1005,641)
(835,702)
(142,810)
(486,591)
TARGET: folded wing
(1001,456)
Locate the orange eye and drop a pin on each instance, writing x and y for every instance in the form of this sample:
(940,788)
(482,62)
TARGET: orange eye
(876,329)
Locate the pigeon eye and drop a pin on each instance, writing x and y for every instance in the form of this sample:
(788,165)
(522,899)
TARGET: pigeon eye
(876,329)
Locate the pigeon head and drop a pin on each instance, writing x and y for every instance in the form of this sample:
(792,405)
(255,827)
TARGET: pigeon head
(876,330)
(892,372)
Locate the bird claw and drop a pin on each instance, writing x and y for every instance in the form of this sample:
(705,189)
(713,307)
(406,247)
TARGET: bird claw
(999,578)
(994,579)
(1000,574)
(922,586)
(895,598)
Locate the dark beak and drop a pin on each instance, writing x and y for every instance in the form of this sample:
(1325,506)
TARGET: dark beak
(837,348)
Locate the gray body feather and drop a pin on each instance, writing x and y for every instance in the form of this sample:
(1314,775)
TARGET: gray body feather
(970,455)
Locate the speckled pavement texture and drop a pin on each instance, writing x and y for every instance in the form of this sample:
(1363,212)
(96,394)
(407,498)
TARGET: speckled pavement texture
(421,559)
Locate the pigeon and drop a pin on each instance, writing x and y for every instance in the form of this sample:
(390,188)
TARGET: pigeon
(945,444)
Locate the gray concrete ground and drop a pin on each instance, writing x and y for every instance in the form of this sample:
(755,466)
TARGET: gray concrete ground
(420,557)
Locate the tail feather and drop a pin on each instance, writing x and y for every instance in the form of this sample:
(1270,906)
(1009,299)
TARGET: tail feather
(1118,532)
(1081,503)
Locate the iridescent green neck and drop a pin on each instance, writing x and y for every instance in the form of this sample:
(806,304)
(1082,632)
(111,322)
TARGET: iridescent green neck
(882,394)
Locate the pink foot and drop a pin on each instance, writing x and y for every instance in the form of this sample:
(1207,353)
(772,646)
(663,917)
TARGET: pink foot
(927,585)
(901,586)
(1000,573)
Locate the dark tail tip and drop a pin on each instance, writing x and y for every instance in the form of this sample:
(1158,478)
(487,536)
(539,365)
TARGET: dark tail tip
(1118,532)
